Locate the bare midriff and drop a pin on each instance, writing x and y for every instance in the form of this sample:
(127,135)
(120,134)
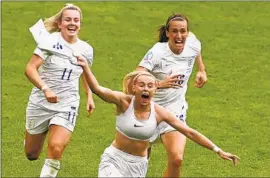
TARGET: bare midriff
(127,145)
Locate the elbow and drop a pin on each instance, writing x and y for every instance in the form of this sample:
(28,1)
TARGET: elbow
(29,71)
(96,90)
(26,72)
(188,135)
(191,134)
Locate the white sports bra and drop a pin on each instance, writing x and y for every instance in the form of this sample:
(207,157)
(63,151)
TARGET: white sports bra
(128,125)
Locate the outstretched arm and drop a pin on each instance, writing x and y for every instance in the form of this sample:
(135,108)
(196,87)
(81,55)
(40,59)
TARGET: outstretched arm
(192,134)
(104,93)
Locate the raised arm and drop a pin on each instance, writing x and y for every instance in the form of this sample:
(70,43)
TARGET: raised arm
(164,115)
(104,93)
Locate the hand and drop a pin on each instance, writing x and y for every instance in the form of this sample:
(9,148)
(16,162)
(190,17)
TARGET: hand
(50,96)
(229,156)
(90,105)
(82,61)
(201,79)
(171,81)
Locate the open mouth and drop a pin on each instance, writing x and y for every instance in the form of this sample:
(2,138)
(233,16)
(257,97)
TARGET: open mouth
(179,42)
(72,28)
(145,95)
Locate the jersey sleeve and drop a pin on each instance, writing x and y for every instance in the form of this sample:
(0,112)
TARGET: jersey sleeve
(195,45)
(191,35)
(43,54)
(89,54)
(149,60)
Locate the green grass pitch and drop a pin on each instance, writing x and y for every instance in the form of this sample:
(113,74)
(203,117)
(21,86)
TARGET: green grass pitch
(232,109)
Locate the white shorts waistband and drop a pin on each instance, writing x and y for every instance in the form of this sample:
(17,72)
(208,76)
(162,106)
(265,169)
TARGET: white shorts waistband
(128,157)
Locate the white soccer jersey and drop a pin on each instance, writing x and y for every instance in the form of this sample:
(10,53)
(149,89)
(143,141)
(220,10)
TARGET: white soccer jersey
(161,62)
(61,74)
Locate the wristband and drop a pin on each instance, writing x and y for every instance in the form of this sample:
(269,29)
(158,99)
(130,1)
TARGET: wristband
(44,87)
(216,149)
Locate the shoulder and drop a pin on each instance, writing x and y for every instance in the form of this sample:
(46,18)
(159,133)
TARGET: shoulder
(191,35)
(126,98)
(158,49)
(125,102)
(85,45)
(122,97)
(159,46)
(161,112)
(86,50)
(193,42)
(192,39)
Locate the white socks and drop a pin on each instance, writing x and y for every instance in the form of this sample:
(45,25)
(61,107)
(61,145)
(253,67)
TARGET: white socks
(50,168)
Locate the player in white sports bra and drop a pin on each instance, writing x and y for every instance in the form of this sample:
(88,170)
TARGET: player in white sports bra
(136,121)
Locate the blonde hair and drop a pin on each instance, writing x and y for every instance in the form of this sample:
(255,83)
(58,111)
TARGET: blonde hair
(51,23)
(130,79)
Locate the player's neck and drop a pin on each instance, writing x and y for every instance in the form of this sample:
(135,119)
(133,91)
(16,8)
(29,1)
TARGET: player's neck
(69,39)
(175,51)
(138,107)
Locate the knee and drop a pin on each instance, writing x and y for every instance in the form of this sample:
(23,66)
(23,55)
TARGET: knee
(56,149)
(32,156)
(176,160)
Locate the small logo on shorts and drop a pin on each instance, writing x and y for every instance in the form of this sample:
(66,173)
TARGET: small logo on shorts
(31,124)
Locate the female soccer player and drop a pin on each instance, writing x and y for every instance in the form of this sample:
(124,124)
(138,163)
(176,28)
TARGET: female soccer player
(136,121)
(171,61)
(54,101)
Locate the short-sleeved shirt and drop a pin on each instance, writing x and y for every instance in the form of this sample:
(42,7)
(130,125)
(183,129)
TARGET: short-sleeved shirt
(61,75)
(161,62)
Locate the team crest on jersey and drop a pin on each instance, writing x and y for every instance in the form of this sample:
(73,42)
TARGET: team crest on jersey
(148,56)
(190,62)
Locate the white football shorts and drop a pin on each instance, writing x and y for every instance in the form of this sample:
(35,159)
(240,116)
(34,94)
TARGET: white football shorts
(116,163)
(38,120)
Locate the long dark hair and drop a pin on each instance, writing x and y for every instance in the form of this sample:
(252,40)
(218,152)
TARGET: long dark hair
(163,28)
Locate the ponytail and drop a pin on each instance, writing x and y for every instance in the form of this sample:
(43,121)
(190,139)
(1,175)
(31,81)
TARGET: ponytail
(128,81)
(162,34)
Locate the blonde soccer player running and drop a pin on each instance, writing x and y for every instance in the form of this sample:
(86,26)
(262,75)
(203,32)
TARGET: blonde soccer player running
(54,101)
(136,121)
